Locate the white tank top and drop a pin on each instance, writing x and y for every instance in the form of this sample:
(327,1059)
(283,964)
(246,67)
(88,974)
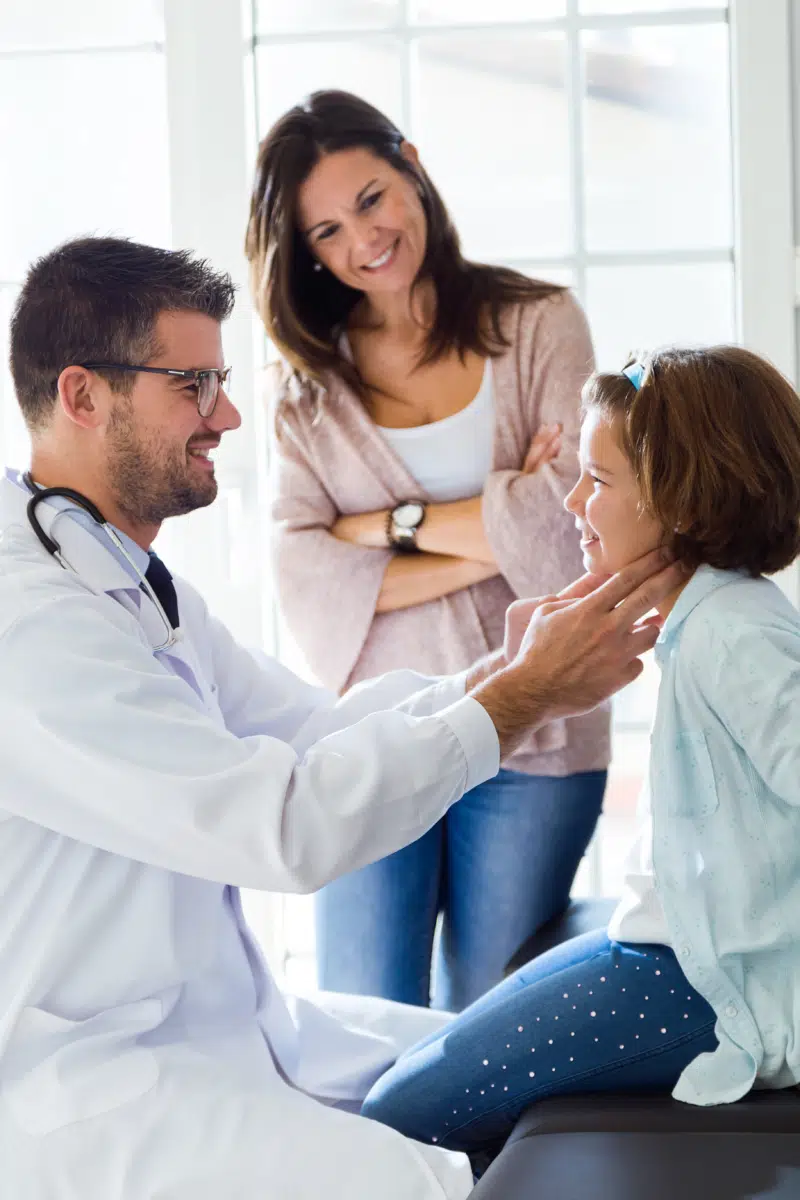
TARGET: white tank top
(451,458)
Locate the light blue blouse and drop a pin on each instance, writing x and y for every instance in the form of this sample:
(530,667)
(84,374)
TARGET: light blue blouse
(725,784)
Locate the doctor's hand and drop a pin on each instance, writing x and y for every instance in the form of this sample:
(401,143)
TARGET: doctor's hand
(520,613)
(577,649)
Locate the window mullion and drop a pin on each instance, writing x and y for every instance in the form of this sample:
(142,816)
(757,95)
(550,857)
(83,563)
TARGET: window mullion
(575,89)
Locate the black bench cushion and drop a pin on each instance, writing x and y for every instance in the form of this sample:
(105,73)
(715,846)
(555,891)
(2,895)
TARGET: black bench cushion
(639,1147)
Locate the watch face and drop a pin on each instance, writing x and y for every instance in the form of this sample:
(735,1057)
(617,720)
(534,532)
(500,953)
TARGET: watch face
(408,516)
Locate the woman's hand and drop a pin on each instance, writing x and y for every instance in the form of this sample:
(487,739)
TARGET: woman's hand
(546,446)
(362,529)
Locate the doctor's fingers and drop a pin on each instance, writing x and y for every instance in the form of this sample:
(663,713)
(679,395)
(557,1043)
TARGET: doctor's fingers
(642,639)
(582,587)
(635,591)
(648,595)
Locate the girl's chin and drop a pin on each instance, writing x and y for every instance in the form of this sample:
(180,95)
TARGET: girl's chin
(594,559)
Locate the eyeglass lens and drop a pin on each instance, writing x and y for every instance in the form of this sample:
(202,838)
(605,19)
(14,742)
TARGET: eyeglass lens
(208,390)
(207,393)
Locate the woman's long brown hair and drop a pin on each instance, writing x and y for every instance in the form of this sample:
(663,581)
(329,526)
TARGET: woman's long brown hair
(305,311)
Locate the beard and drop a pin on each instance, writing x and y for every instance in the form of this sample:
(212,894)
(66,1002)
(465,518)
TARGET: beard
(149,481)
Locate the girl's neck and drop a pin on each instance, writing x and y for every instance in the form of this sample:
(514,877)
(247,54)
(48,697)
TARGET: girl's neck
(666,606)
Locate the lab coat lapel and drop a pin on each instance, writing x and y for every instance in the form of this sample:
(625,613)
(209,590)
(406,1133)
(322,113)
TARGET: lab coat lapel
(88,558)
(96,566)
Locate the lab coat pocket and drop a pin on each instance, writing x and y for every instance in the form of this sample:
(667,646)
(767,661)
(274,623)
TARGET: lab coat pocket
(693,791)
(57,1071)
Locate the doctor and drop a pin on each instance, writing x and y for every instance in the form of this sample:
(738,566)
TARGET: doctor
(145,1050)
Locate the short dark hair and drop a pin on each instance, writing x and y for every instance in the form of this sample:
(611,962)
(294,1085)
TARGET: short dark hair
(97,299)
(713,436)
(305,311)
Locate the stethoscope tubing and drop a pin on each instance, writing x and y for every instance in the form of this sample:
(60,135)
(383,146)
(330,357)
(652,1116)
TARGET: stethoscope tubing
(53,548)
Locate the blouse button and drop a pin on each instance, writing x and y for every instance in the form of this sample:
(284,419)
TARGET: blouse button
(685,952)
(731,1011)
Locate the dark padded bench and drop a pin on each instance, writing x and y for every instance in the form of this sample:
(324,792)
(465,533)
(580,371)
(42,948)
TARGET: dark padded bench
(644,1147)
(633,1147)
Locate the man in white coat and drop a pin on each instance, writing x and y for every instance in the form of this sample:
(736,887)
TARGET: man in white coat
(145,1050)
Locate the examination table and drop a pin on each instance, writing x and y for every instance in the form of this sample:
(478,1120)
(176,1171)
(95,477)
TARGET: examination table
(643,1147)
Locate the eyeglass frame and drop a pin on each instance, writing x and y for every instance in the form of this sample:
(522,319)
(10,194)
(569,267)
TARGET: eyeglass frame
(222,375)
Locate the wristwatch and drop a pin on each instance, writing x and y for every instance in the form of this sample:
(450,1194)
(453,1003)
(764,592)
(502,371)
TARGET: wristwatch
(402,524)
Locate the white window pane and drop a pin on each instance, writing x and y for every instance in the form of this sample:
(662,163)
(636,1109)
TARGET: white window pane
(635,705)
(300,975)
(287,73)
(635,309)
(561,275)
(646,6)
(290,16)
(54,24)
(491,111)
(299,925)
(212,548)
(87,138)
(442,12)
(14,439)
(629,764)
(658,138)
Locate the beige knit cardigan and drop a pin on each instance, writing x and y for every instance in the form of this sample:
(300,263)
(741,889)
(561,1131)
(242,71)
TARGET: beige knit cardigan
(329,458)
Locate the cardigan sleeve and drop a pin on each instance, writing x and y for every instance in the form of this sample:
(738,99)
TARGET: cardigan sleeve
(532,537)
(327,588)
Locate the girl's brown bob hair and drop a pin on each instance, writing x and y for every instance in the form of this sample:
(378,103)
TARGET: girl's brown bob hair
(305,311)
(713,436)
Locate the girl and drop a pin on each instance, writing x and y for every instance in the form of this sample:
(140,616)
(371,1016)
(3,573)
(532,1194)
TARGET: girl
(694,987)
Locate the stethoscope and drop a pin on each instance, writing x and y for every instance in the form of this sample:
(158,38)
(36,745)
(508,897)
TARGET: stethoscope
(52,546)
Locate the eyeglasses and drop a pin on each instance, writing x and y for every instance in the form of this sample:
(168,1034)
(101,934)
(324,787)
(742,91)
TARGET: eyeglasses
(208,381)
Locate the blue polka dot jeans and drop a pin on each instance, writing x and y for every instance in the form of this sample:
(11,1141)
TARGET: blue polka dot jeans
(591,1015)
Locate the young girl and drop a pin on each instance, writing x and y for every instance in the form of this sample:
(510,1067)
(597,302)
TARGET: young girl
(695,985)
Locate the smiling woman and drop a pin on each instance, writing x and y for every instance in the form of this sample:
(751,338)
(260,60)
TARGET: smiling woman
(388,198)
(426,423)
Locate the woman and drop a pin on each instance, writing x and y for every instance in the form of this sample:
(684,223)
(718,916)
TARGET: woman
(694,986)
(426,422)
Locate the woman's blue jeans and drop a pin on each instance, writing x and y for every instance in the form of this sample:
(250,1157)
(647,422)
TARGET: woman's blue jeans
(589,1016)
(497,866)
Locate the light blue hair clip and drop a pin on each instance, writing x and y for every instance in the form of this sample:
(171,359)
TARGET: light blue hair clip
(635,372)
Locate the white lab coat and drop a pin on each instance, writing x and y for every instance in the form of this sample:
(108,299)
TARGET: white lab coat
(145,1050)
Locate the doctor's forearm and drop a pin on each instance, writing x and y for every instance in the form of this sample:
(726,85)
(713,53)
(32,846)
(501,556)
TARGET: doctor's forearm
(417,578)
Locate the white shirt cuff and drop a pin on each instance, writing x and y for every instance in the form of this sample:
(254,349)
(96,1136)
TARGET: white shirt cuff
(450,689)
(477,737)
